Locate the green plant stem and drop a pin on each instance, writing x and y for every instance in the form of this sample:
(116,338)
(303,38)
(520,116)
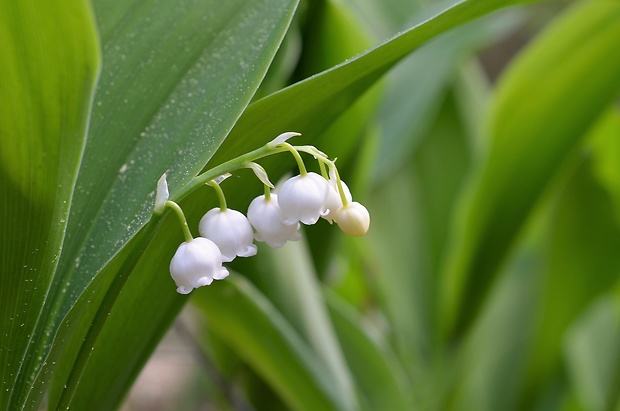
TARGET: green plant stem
(230,165)
(179,212)
(343,198)
(220,194)
(267,192)
(324,172)
(332,165)
(298,159)
(240,162)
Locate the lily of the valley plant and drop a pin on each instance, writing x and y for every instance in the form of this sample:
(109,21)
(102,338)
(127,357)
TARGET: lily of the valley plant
(272,218)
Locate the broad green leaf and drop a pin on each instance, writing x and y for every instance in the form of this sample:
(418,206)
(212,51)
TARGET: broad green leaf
(399,262)
(149,294)
(583,262)
(313,104)
(572,70)
(93,373)
(381,380)
(606,153)
(471,90)
(284,62)
(592,356)
(492,360)
(109,371)
(49,64)
(440,181)
(418,87)
(559,398)
(256,330)
(164,103)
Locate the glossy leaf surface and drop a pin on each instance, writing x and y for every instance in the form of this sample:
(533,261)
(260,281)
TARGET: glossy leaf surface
(49,64)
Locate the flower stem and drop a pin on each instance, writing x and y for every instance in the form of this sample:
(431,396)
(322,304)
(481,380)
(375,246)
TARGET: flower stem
(239,163)
(226,167)
(220,194)
(324,172)
(267,192)
(345,202)
(182,220)
(295,153)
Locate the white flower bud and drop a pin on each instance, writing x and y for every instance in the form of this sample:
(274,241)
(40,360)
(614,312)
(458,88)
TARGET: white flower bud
(353,219)
(162,195)
(334,201)
(196,263)
(230,230)
(302,198)
(265,216)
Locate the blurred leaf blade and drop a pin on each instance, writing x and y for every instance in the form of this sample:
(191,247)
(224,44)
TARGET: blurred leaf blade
(50,61)
(314,103)
(606,154)
(400,268)
(583,220)
(406,241)
(592,356)
(508,320)
(419,85)
(260,335)
(380,378)
(297,294)
(544,132)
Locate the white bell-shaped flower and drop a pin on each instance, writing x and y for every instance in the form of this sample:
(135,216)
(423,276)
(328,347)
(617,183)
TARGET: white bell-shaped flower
(353,219)
(302,198)
(265,216)
(196,263)
(230,230)
(334,201)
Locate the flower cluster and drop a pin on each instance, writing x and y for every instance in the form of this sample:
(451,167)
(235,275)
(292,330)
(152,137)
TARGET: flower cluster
(273,218)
